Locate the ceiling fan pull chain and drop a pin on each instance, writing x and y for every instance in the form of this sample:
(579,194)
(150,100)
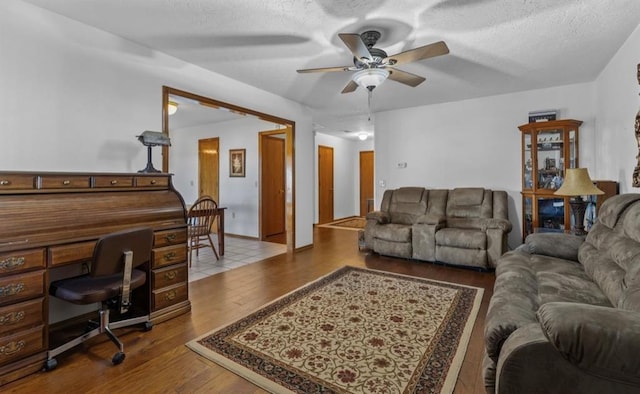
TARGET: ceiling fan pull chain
(370,93)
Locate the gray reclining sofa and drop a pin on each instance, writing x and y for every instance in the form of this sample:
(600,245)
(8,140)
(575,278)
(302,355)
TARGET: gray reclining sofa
(463,226)
(564,316)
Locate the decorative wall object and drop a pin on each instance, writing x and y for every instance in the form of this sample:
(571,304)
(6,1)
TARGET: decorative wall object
(237,162)
(636,171)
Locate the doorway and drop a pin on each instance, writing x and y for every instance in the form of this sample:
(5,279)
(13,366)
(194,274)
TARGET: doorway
(272,187)
(366,182)
(221,107)
(325,184)
(209,168)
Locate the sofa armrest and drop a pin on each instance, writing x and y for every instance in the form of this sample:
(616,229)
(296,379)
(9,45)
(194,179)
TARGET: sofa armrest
(379,216)
(564,246)
(432,219)
(599,340)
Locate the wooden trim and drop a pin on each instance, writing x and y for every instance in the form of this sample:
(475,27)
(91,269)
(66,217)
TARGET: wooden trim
(302,248)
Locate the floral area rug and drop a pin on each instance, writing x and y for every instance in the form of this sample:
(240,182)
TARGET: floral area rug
(353,331)
(353,223)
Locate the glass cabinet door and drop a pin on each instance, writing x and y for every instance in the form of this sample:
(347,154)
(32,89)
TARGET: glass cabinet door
(550,159)
(527,162)
(527,203)
(550,214)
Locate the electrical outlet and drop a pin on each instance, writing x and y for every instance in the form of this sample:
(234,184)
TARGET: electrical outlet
(233,215)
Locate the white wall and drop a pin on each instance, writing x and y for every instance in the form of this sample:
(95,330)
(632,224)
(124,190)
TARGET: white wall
(473,142)
(74,98)
(346,173)
(240,195)
(617,104)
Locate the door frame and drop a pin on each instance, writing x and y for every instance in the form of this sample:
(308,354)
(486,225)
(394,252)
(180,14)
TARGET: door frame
(261,134)
(289,163)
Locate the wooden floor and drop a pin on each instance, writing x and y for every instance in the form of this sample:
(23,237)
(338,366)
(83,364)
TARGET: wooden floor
(159,362)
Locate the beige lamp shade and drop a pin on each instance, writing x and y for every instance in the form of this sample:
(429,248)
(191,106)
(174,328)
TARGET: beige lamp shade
(577,183)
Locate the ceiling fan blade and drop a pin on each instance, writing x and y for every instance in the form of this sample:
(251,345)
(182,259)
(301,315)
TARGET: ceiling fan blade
(405,77)
(424,52)
(324,69)
(351,86)
(356,46)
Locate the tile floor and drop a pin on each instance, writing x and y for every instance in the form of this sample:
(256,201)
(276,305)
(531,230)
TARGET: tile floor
(237,252)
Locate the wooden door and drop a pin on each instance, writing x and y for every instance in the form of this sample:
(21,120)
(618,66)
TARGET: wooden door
(272,189)
(208,168)
(366,182)
(325,184)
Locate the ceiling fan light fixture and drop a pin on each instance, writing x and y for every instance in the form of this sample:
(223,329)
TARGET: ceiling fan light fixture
(362,136)
(172,107)
(370,78)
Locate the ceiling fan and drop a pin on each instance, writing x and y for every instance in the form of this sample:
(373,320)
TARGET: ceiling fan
(373,66)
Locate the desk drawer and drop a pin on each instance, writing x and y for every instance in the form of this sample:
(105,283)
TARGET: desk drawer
(71,253)
(64,182)
(169,237)
(168,255)
(169,296)
(152,181)
(21,261)
(169,276)
(19,316)
(21,344)
(113,181)
(16,181)
(21,287)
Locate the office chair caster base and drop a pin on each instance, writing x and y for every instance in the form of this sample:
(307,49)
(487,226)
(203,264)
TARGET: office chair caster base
(148,326)
(118,358)
(50,364)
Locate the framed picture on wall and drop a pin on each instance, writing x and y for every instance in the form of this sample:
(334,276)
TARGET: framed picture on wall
(237,162)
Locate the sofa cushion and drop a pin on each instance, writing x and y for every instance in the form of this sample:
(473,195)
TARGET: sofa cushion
(407,204)
(611,256)
(393,232)
(470,202)
(523,283)
(462,238)
(601,341)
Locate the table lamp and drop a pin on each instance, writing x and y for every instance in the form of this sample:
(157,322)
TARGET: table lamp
(150,139)
(577,183)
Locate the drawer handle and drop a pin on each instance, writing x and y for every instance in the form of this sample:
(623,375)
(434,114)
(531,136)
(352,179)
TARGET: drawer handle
(153,181)
(170,256)
(11,289)
(12,348)
(170,295)
(114,182)
(11,263)
(11,318)
(171,275)
(66,182)
(171,237)
(4,182)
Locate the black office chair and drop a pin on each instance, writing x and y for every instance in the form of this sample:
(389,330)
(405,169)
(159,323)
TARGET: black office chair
(112,276)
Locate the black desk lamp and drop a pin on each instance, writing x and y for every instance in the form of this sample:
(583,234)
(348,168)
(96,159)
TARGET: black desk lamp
(577,183)
(150,139)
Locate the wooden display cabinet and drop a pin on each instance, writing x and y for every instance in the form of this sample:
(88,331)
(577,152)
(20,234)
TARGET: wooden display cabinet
(548,149)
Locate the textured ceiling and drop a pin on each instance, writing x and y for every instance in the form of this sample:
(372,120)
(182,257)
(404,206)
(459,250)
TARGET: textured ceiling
(496,46)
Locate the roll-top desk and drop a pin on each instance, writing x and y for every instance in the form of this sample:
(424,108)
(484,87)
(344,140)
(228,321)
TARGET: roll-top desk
(49,220)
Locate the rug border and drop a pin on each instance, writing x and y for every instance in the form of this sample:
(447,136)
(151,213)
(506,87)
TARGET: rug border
(266,384)
(332,224)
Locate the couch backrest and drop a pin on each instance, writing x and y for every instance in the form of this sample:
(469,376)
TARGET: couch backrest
(405,204)
(470,202)
(610,254)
